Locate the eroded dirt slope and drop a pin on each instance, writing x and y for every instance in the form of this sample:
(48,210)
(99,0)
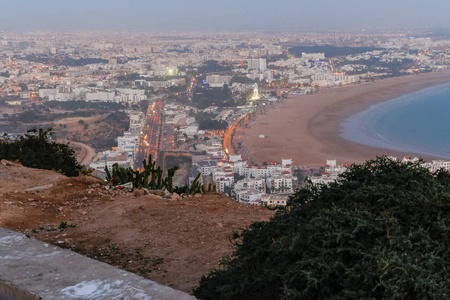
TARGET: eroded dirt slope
(173,242)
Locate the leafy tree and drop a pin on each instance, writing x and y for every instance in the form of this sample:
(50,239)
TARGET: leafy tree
(241,79)
(206,122)
(23,86)
(381,231)
(35,150)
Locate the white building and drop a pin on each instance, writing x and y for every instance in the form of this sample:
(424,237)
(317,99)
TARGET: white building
(206,167)
(333,79)
(435,165)
(258,64)
(274,200)
(324,179)
(109,158)
(313,56)
(280,184)
(222,178)
(128,142)
(251,183)
(332,171)
(218,80)
(249,196)
(101,96)
(45,93)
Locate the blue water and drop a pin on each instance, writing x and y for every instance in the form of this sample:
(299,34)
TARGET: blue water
(417,122)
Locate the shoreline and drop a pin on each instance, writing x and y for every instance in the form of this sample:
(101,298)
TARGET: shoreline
(307,128)
(362,127)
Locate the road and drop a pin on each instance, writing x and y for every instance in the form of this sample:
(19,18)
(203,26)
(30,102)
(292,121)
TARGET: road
(86,155)
(150,139)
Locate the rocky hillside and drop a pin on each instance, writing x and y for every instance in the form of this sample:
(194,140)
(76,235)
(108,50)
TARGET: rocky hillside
(171,240)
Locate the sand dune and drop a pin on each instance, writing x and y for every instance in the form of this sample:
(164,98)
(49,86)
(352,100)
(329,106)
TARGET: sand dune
(306,128)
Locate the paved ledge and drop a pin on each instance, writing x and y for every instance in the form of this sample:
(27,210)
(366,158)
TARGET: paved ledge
(32,268)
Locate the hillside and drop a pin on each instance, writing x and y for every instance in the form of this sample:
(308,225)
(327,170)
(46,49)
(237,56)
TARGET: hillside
(173,242)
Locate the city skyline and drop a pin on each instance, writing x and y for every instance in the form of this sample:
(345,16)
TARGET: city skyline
(232,15)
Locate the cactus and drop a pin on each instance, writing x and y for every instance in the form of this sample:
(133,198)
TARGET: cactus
(170,174)
(151,177)
(196,186)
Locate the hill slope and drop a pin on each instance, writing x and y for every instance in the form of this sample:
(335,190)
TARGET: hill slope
(173,242)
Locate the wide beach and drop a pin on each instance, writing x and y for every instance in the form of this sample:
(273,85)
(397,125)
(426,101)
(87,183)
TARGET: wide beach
(306,128)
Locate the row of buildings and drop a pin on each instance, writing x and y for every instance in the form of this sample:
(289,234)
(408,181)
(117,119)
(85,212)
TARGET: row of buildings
(248,183)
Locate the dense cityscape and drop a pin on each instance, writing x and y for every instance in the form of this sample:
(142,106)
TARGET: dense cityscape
(182,98)
(224,150)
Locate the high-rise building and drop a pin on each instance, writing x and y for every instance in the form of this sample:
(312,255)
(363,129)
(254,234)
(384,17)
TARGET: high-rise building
(256,64)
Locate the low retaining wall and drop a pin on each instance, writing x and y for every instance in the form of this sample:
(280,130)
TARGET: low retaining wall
(31,269)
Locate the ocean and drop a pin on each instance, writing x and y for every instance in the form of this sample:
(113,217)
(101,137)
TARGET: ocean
(418,122)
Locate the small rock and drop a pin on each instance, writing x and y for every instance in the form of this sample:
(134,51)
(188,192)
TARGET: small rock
(84,212)
(157,192)
(198,195)
(112,199)
(137,193)
(175,196)
(69,184)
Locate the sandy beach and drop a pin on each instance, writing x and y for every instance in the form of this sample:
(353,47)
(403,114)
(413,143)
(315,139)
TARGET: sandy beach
(306,128)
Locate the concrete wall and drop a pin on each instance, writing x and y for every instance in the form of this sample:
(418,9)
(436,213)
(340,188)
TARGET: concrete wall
(31,269)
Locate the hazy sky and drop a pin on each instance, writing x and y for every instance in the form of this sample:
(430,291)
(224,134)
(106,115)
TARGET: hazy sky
(276,15)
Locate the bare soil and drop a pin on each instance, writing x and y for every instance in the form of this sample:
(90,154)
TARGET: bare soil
(173,242)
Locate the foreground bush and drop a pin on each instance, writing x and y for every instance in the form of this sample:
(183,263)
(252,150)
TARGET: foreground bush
(35,150)
(380,232)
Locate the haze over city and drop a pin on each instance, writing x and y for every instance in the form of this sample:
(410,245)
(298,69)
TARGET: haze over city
(147,135)
(287,15)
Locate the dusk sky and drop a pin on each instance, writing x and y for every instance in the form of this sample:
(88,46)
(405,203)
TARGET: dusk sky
(284,15)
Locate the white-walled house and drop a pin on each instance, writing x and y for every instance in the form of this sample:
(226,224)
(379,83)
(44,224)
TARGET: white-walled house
(249,196)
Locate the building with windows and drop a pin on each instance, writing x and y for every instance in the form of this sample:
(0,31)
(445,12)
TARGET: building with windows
(218,80)
(258,64)
(274,200)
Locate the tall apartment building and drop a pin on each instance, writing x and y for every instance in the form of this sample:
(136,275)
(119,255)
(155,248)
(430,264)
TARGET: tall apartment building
(256,64)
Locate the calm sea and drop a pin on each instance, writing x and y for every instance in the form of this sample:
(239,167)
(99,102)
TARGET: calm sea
(417,122)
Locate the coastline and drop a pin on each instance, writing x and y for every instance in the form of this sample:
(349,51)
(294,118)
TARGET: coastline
(307,128)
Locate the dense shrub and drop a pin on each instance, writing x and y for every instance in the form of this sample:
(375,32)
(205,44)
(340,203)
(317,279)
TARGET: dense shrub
(35,150)
(381,231)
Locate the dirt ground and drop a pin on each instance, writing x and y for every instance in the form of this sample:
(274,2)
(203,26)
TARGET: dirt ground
(173,242)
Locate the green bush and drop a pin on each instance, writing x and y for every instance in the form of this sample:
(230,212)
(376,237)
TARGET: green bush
(381,231)
(35,150)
